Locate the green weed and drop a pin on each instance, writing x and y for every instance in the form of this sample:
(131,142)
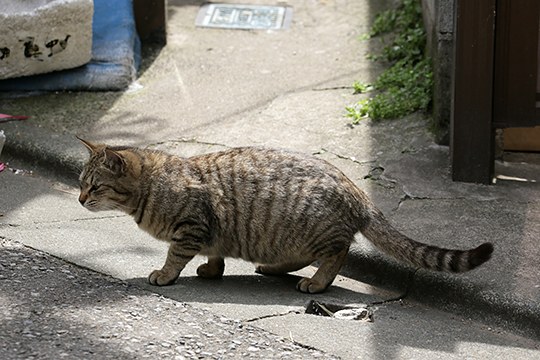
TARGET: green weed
(406,86)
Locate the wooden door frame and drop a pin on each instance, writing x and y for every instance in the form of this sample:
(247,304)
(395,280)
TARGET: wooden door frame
(471,131)
(495,80)
(516,64)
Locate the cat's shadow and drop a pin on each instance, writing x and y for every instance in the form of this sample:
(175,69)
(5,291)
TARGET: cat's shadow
(252,289)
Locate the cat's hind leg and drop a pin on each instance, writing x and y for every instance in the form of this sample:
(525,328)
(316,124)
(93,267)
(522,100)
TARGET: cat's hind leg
(324,276)
(213,269)
(283,268)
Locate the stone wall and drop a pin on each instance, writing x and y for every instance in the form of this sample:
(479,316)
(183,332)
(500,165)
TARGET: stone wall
(439,22)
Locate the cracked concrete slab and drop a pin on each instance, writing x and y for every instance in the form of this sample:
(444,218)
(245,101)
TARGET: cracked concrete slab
(196,79)
(426,174)
(17,190)
(419,338)
(305,121)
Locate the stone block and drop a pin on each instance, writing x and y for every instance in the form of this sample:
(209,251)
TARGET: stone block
(40,36)
(439,24)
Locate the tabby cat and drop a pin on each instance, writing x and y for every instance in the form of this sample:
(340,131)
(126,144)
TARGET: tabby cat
(279,209)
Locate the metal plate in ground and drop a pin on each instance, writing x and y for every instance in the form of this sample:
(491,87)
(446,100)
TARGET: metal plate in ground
(239,16)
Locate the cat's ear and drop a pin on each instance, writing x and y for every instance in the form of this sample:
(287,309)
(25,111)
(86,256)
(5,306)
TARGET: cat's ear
(91,147)
(112,159)
(115,161)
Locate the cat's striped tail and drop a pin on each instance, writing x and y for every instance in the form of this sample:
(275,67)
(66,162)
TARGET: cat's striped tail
(389,240)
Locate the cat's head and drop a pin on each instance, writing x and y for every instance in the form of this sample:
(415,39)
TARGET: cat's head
(108,180)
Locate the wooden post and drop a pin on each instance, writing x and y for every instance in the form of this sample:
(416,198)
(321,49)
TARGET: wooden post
(471,131)
(151,20)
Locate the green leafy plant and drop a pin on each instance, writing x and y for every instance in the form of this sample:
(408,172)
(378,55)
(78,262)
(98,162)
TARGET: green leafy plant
(360,88)
(406,86)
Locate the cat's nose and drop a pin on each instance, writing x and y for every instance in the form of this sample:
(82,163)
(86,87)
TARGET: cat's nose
(83,198)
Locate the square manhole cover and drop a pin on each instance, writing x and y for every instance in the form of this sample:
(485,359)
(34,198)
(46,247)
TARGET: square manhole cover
(239,16)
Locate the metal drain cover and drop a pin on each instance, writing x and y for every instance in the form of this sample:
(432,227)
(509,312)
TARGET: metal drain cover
(239,16)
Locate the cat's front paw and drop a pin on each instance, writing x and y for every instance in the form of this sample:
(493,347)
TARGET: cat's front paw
(162,277)
(310,286)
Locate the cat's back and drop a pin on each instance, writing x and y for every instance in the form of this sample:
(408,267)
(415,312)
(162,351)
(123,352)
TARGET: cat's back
(261,190)
(267,164)
(245,175)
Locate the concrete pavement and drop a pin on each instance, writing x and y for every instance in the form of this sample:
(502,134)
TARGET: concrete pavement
(212,89)
(53,307)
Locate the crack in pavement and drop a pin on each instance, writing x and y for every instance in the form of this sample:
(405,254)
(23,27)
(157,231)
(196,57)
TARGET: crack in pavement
(9,225)
(100,217)
(187,141)
(267,102)
(15,225)
(334,88)
(372,306)
(344,157)
(273,315)
(377,174)
(78,219)
(409,197)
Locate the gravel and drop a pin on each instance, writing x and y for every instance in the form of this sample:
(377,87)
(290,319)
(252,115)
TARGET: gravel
(51,309)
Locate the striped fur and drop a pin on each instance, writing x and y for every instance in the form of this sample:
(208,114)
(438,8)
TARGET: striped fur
(279,209)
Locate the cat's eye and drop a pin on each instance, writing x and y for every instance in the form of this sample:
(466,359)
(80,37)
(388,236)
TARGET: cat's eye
(93,188)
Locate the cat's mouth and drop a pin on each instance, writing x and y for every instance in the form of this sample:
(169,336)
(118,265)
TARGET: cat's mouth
(97,206)
(91,205)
